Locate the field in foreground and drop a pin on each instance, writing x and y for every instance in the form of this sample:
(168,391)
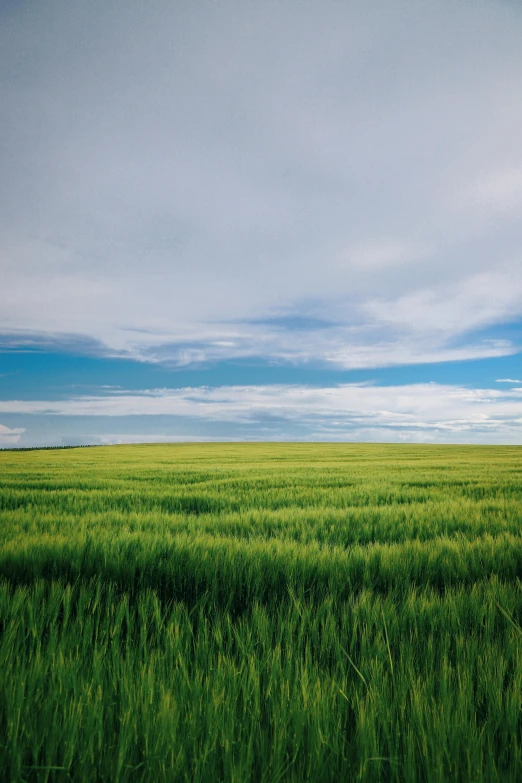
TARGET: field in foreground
(291,612)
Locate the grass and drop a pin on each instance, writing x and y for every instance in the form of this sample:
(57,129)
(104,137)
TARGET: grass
(264,612)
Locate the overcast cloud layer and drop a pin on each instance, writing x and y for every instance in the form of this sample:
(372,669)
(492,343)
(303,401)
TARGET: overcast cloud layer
(299,182)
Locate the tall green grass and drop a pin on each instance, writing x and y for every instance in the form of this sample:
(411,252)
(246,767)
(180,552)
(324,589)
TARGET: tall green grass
(317,612)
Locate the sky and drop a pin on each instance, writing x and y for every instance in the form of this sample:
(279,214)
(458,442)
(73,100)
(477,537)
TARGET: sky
(266,220)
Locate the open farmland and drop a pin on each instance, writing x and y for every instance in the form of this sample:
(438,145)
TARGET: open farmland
(261,612)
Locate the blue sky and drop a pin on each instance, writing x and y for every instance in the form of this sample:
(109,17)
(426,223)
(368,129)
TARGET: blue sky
(278,220)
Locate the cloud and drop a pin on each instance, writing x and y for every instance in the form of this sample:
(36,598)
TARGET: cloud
(496,192)
(117,439)
(507,380)
(377,255)
(416,411)
(10,437)
(171,175)
(339,346)
(479,301)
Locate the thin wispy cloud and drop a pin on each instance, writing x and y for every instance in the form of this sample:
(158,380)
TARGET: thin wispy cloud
(452,412)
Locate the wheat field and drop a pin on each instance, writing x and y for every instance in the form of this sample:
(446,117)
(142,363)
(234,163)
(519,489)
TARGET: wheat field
(261,612)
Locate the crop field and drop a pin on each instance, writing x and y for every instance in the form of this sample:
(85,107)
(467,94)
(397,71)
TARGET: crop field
(261,612)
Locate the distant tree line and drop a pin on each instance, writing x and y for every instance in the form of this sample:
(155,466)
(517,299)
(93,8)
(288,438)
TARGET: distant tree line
(50,448)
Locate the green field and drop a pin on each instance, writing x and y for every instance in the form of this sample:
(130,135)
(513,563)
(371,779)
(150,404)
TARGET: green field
(261,612)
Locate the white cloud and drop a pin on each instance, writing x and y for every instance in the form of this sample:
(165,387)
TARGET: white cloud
(417,411)
(10,437)
(413,351)
(507,380)
(479,301)
(342,347)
